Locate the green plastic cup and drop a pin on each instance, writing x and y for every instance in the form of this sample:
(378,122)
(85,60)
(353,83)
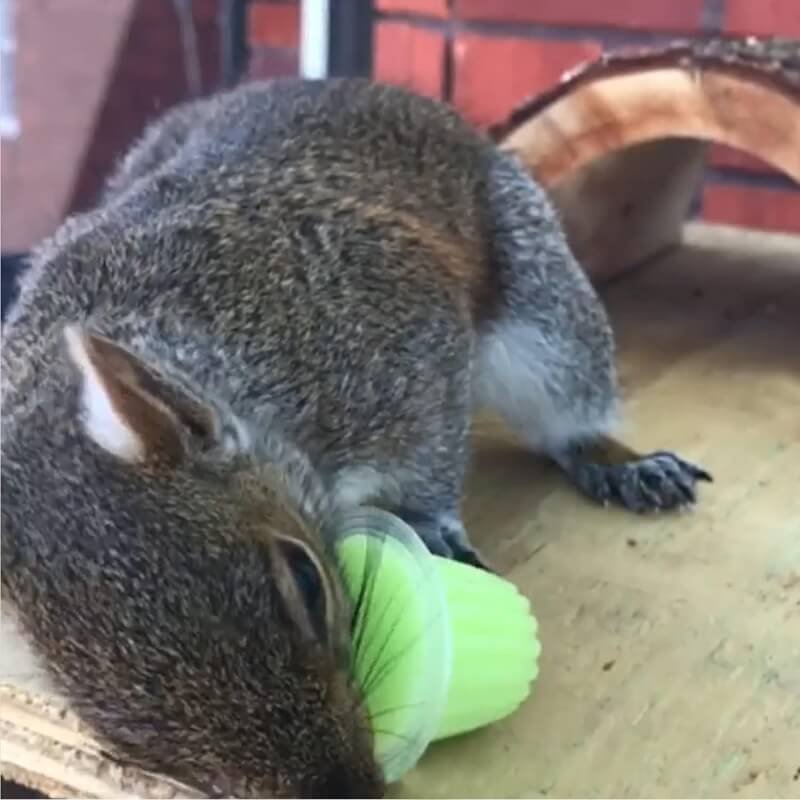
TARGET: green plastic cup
(439,648)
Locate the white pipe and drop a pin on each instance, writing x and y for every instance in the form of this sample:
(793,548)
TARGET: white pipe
(314,18)
(9,124)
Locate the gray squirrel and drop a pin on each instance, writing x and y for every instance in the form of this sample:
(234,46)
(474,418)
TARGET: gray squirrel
(289,301)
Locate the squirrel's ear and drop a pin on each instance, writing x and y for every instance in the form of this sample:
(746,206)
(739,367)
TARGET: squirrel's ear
(127,409)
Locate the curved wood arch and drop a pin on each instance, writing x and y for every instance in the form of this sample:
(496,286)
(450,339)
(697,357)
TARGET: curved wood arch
(620,142)
(745,94)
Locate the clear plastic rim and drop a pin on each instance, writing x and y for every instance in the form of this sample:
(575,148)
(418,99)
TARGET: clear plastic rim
(428,690)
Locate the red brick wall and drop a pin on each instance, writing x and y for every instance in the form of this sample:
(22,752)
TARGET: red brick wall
(273,35)
(485,56)
(89,75)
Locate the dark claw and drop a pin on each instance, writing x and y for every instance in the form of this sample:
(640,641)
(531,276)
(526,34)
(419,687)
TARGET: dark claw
(444,536)
(629,490)
(698,473)
(684,482)
(648,484)
(660,481)
(471,557)
(436,545)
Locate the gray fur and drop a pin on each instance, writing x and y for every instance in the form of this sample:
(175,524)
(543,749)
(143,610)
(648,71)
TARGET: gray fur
(337,273)
(546,361)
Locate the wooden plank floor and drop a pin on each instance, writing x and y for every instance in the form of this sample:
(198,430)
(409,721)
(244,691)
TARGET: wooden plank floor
(671,664)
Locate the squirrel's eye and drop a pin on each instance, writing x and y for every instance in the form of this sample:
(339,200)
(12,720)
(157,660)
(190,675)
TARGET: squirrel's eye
(311,586)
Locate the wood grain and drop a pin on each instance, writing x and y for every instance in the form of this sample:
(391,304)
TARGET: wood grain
(671,644)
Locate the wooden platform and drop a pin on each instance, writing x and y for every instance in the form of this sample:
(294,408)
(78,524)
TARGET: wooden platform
(671,663)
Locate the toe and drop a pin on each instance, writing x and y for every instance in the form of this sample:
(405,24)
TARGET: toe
(692,470)
(594,481)
(632,491)
(466,555)
(678,479)
(437,546)
(461,550)
(659,481)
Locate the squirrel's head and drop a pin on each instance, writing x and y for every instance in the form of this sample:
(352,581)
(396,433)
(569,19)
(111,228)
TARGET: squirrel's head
(231,658)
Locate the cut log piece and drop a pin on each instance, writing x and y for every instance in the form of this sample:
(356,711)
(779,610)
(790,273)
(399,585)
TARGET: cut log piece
(45,748)
(629,206)
(745,94)
(603,141)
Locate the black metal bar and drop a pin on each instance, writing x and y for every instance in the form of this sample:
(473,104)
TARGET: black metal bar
(234,50)
(350,38)
(12,265)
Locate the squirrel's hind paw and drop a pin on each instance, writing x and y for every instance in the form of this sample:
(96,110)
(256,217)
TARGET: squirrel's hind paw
(657,482)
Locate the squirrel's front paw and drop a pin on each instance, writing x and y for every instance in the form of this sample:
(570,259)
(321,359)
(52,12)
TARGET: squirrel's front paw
(444,535)
(659,481)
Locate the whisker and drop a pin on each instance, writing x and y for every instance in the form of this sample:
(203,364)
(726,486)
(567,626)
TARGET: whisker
(400,736)
(368,581)
(374,643)
(378,672)
(371,682)
(377,624)
(362,589)
(393,710)
(389,636)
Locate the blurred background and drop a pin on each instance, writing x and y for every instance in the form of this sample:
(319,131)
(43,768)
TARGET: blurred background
(80,78)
